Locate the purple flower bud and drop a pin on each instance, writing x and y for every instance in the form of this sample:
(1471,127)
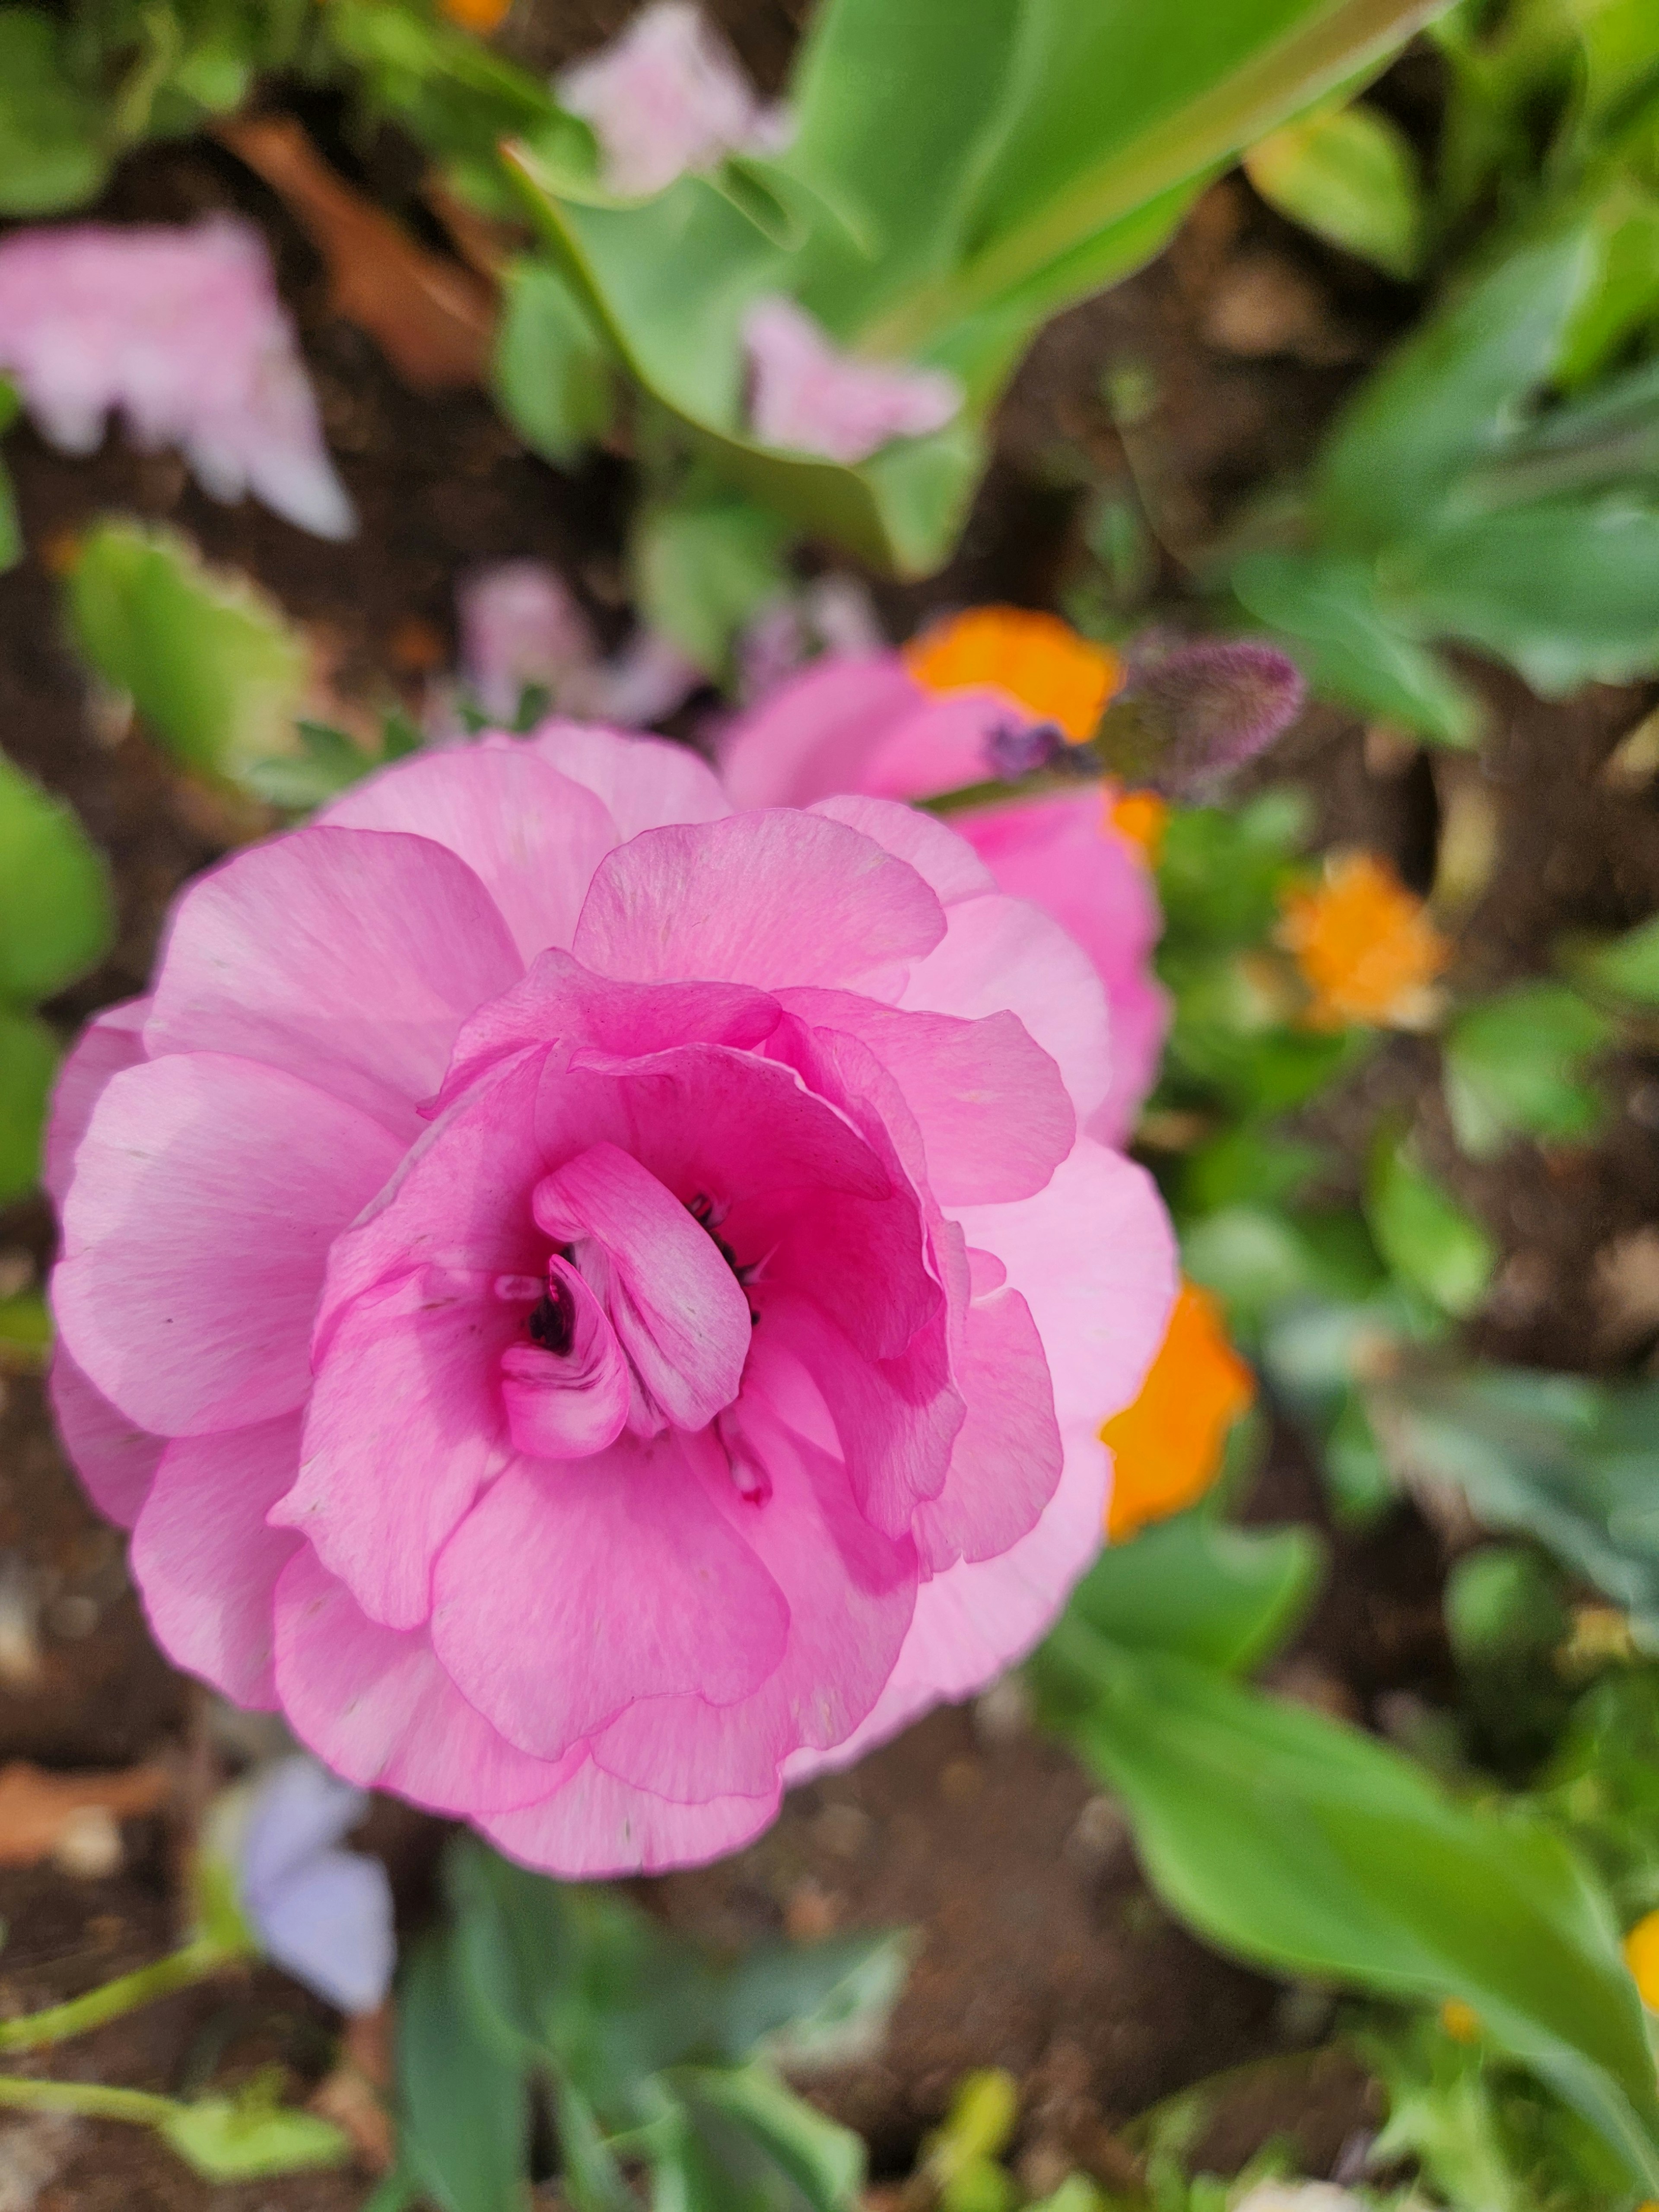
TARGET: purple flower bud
(1206,709)
(323,1913)
(1016,749)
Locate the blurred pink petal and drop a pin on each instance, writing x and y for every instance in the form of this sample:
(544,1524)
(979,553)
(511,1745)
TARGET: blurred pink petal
(182,332)
(668,96)
(520,626)
(809,397)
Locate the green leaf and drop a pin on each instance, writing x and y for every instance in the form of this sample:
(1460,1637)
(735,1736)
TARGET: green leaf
(1350,175)
(464,2110)
(1503,1606)
(51,149)
(210,662)
(11,528)
(1626,294)
(1448,397)
(1352,650)
(1571,1461)
(552,375)
(813,2004)
(29,1061)
(1422,1232)
(1628,966)
(591,2177)
(1226,1596)
(226,2139)
(773,2151)
(1514,1066)
(702,569)
(24,1324)
(1309,1848)
(57,916)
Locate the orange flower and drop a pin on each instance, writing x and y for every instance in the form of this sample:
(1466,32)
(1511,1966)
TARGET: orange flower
(479,16)
(1366,948)
(1167,1447)
(1036,659)
(1642,1957)
(1140,817)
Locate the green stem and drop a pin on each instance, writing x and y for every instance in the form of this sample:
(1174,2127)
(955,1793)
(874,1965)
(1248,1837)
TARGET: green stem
(194,1963)
(90,2100)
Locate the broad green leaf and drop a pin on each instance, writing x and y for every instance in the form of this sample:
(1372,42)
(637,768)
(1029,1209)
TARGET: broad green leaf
(588,2170)
(1571,1461)
(1628,966)
(551,374)
(704,570)
(1227,1597)
(773,2151)
(814,2004)
(1330,619)
(29,1061)
(1604,439)
(1312,1849)
(1350,175)
(1248,1164)
(1514,1066)
(1253,1257)
(1446,398)
(1423,1233)
(1626,294)
(463,2107)
(1566,591)
(53,153)
(226,2139)
(1503,1603)
(57,916)
(209,662)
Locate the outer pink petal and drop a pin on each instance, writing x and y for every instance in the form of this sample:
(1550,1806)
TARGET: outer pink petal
(813,735)
(569,1591)
(943,745)
(1000,954)
(531,836)
(934,849)
(1059,853)
(376,1706)
(404,1427)
(205,1561)
(767,898)
(643,782)
(206,1193)
(850,1593)
(109,1041)
(1005,1462)
(593,1827)
(349,957)
(115,1461)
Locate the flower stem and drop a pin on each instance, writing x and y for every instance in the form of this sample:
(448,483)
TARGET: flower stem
(194,1963)
(90,2100)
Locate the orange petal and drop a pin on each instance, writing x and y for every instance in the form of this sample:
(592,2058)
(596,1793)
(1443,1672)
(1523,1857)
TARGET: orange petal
(1364,943)
(1167,1447)
(1036,659)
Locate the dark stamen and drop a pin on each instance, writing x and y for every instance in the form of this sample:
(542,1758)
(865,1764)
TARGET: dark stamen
(701,1211)
(552,1322)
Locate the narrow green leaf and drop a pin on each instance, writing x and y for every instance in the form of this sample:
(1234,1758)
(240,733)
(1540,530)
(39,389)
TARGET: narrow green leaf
(1422,1232)
(1514,1066)
(551,373)
(815,2004)
(591,2177)
(226,2139)
(776,2152)
(29,1061)
(1226,1596)
(463,2111)
(1349,175)
(57,915)
(1309,1848)
(210,662)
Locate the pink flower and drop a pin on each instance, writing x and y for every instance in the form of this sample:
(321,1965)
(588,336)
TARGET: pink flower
(183,332)
(866,724)
(594,1303)
(520,625)
(808,396)
(666,97)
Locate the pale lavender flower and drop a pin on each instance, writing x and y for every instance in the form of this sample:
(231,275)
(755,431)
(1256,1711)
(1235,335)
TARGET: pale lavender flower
(322,1913)
(180,329)
(807,395)
(666,97)
(520,625)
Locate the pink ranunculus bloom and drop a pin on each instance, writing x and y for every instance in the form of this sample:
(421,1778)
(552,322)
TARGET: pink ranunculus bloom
(591,1302)
(863,723)
(182,332)
(666,97)
(809,396)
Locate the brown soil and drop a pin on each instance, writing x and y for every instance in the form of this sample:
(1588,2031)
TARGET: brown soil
(1040,1948)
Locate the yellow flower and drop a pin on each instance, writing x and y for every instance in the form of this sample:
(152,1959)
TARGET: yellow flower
(479,16)
(1036,659)
(1460,2022)
(1642,1957)
(1366,948)
(1167,1447)
(1140,817)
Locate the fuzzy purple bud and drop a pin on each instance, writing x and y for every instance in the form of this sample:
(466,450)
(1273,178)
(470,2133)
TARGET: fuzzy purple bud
(1209,707)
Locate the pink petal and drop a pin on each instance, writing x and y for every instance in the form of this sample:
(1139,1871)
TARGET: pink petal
(376,1706)
(995,1118)
(933,848)
(349,957)
(642,782)
(810,397)
(569,1591)
(520,625)
(1003,955)
(533,837)
(568,1404)
(944,744)
(109,1041)
(115,1461)
(666,96)
(813,735)
(593,1827)
(678,1310)
(404,1427)
(207,1192)
(768,898)
(1005,1462)
(1059,853)
(205,1561)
